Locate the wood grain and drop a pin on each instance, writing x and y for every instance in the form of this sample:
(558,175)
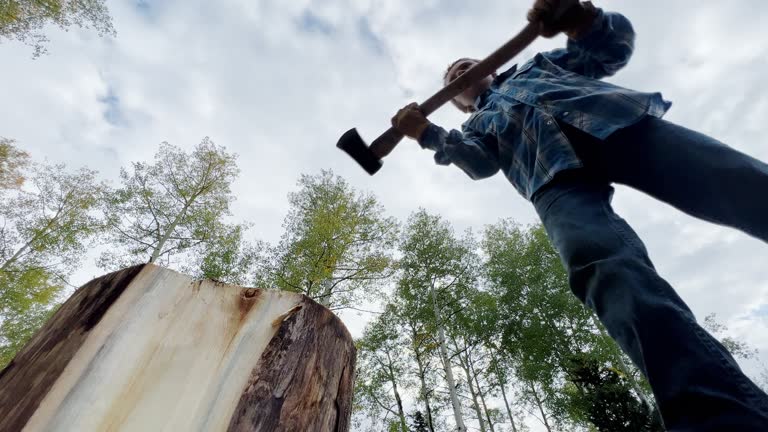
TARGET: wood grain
(298,384)
(147,348)
(30,375)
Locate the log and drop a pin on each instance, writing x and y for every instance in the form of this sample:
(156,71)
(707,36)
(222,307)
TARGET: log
(149,349)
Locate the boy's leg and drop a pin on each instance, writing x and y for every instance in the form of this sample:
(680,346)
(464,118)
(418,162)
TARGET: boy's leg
(686,169)
(697,384)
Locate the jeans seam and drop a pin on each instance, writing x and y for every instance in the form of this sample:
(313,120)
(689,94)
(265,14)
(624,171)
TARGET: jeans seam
(746,386)
(756,398)
(620,231)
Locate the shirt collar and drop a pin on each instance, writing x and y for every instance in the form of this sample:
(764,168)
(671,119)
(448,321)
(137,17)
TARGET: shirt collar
(496,81)
(504,75)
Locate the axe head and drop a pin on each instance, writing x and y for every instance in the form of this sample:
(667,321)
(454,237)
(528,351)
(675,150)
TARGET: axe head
(353,145)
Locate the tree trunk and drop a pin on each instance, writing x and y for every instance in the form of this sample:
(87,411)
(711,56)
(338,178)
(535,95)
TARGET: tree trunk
(464,362)
(423,388)
(480,392)
(146,349)
(506,401)
(502,385)
(161,243)
(540,405)
(457,414)
(398,399)
(325,296)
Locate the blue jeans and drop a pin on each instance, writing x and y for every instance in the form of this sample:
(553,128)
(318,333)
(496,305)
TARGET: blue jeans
(697,384)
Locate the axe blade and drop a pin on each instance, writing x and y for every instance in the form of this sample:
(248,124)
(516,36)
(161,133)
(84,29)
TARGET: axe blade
(369,157)
(354,146)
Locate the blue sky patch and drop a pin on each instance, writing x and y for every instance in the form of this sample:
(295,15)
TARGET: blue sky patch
(369,38)
(761,311)
(113,114)
(143,6)
(312,23)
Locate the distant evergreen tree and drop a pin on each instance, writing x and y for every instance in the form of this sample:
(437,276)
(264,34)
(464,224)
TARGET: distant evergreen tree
(418,422)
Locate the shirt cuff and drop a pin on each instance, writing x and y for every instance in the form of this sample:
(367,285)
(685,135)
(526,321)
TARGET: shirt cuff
(433,138)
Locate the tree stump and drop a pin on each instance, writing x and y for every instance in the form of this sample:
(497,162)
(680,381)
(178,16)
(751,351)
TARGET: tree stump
(148,349)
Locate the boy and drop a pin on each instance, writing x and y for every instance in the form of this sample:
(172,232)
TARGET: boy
(561,137)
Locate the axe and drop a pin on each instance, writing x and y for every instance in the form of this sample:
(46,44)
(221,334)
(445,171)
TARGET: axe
(370,157)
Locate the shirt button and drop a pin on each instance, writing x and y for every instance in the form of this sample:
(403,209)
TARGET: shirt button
(566,113)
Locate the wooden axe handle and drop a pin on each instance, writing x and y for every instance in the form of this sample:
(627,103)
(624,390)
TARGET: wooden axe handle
(384,144)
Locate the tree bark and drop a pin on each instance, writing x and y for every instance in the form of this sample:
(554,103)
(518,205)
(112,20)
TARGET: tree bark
(398,399)
(480,391)
(540,405)
(161,242)
(422,379)
(457,414)
(502,384)
(147,348)
(464,362)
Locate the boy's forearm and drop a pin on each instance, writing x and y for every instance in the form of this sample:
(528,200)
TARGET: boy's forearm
(466,150)
(431,138)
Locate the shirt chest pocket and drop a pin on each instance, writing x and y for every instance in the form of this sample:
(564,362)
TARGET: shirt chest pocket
(516,143)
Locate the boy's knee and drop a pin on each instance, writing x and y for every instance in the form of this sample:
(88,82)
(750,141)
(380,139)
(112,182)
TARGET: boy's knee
(584,248)
(617,284)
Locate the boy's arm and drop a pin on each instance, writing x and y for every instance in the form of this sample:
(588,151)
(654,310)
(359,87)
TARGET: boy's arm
(476,154)
(599,50)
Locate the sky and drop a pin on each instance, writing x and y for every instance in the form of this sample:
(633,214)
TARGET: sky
(277,82)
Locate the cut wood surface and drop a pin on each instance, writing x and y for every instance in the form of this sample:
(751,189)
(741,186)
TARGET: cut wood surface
(149,349)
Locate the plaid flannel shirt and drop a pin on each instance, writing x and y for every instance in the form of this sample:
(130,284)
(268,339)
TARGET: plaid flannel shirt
(515,128)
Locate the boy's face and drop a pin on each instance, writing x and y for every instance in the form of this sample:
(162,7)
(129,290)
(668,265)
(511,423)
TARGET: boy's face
(468,96)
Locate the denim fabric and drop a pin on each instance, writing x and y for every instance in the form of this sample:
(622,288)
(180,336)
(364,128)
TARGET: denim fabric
(697,384)
(515,128)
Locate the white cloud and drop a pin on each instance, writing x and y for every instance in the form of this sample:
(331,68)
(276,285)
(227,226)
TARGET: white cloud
(248,75)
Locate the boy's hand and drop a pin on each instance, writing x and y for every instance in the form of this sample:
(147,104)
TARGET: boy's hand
(555,16)
(410,121)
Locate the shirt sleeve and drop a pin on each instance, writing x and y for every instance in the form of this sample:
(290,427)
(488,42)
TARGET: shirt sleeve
(476,154)
(602,51)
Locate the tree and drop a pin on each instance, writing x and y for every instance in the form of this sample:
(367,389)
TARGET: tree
(419,423)
(12,163)
(382,368)
(474,336)
(438,269)
(24,20)
(337,243)
(462,352)
(542,324)
(45,231)
(605,398)
(422,347)
(478,324)
(737,348)
(231,258)
(27,299)
(173,209)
